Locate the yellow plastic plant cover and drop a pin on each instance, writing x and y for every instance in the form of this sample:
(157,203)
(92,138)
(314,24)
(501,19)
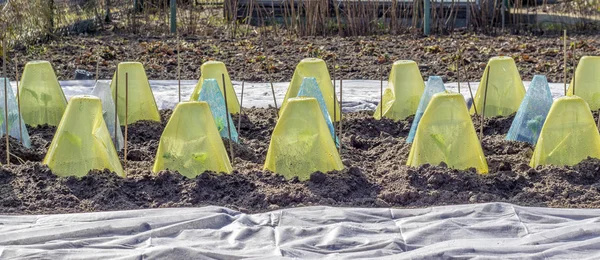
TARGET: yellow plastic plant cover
(403,93)
(215,70)
(446,134)
(82,141)
(315,68)
(587,81)
(42,99)
(568,136)
(191,143)
(142,105)
(505,88)
(301,143)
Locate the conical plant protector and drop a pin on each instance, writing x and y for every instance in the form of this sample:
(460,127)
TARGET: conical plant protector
(310,88)
(505,90)
(82,142)
(586,83)
(19,133)
(434,85)
(532,113)
(314,68)
(215,70)
(301,143)
(569,134)
(403,93)
(190,143)
(211,94)
(446,134)
(102,91)
(141,104)
(42,98)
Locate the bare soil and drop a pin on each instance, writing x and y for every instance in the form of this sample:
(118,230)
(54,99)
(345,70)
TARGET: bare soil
(260,59)
(374,153)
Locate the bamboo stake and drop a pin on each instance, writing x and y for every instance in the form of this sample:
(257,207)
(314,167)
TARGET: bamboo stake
(273,92)
(458,60)
(117,124)
(126,115)
(334,102)
(5,99)
(6,116)
(179,70)
(574,68)
(274,99)
(19,102)
(241,109)
(470,90)
(381,93)
(340,124)
(97,68)
(487,79)
(565,56)
(228,123)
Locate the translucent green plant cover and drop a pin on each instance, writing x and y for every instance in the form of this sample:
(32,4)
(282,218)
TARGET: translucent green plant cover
(41,97)
(102,91)
(211,94)
(434,85)
(528,122)
(13,116)
(310,88)
(301,143)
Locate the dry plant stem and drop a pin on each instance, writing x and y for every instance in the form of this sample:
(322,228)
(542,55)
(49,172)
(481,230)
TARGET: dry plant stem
(126,116)
(241,109)
(228,122)
(487,79)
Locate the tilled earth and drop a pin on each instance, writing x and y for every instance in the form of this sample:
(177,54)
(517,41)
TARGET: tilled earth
(259,59)
(374,153)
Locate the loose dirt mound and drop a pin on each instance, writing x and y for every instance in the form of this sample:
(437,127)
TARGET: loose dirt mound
(374,153)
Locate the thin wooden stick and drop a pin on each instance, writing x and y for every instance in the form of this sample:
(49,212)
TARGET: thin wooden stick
(126,114)
(565,54)
(487,79)
(19,102)
(274,99)
(334,102)
(5,99)
(340,123)
(241,109)
(574,68)
(598,120)
(228,123)
(470,90)
(273,92)
(97,69)
(179,69)
(117,123)
(458,60)
(381,92)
